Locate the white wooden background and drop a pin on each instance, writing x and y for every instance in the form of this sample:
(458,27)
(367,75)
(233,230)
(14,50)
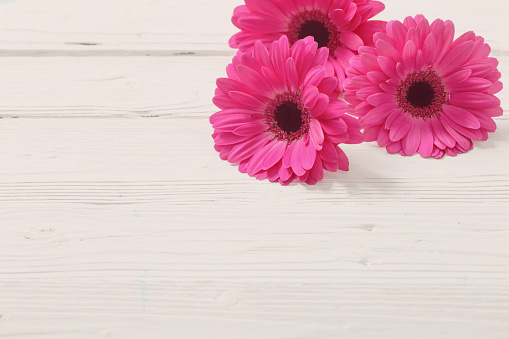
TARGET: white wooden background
(119,220)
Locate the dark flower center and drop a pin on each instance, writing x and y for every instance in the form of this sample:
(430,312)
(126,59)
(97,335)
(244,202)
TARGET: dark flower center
(287,117)
(317,30)
(421,94)
(317,24)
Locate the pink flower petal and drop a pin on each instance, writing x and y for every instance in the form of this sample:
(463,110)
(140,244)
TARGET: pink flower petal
(246,99)
(376,77)
(457,77)
(377,8)
(322,54)
(397,31)
(314,76)
(278,63)
(285,173)
(456,57)
(225,85)
(310,96)
(342,4)
(485,120)
(265,7)
(260,175)
(379,114)
(427,139)
(444,34)
(291,73)
(254,80)
(472,134)
(316,171)
(272,79)
(371,133)
(250,129)
(394,147)
(412,140)
(274,154)
(400,126)
(391,118)
(461,140)
(369,62)
(380,99)
(287,157)
(441,133)
(254,164)
(226,138)
(472,84)
(388,66)
(383,137)
(261,23)
(328,153)
(386,49)
(316,134)
(413,36)
(343,163)
(304,177)
(338,15)
(308,156)
(248,147)
(496,87)
(470,99)
(327,85)
(229,122)
(461,116)
(429,49)
(297,156)
(364,93)
(273,173)
(321,104)
(333,127)
(361,81)
(351,40)
(224,151)
(409,55)
(330,166)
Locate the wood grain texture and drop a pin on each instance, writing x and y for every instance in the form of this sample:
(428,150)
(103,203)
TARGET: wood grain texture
(119,220)
(99,26)
(119,87)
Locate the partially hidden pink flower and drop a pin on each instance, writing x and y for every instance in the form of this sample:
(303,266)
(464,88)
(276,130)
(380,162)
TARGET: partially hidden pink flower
(419,90)
(340,25)
(277,118)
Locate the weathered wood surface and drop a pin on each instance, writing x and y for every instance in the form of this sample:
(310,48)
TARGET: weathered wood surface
(119,220)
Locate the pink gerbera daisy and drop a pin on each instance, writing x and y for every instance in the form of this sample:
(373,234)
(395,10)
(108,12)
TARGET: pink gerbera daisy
(277,118)
(340,25)
(419,90)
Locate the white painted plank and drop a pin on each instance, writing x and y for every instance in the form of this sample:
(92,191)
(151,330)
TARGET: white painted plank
(119,86)
(191,25)
(131,228)
(118,220)
(109,86)
(180,151)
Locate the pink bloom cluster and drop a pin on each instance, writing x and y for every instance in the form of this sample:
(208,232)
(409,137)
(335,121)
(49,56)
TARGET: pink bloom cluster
(413,87)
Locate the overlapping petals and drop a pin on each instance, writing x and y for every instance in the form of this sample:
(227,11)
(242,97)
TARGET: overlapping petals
(277,118)
(346,24)
(419,90)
